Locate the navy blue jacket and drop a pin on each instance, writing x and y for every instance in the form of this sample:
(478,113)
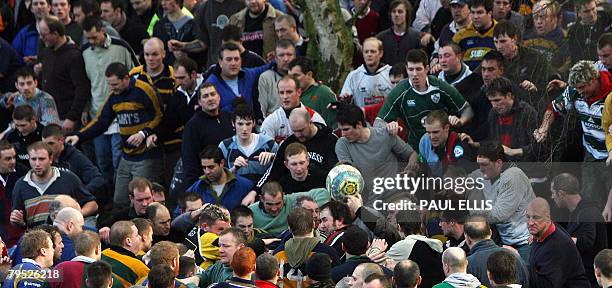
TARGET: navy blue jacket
(477,263)
(546,256)
(200,131)
(76,162)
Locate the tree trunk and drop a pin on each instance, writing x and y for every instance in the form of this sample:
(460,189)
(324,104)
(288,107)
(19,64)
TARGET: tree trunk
(331,43)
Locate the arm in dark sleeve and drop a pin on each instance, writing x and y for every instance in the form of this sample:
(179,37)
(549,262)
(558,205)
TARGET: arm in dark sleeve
(100,123)
(82,88)
(191,166)
(153,105)
(79,193)
(257,245)
(18,203)
(275,170)
(585,236)
(90,175)
(531,124)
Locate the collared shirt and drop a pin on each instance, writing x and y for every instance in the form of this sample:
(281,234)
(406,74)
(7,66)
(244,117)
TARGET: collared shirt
(550,230)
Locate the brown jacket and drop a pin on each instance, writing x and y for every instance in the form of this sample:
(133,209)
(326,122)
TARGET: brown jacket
(269,41)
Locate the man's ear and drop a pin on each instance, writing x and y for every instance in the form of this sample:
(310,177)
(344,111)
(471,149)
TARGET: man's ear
(286,164)
(419,281)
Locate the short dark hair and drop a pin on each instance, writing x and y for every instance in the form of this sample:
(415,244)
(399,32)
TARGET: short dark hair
(300,221)
(153,210)
(55,25)
(284,43)
(398,69)
(604,40)
(384,282)
(206,85)
(477,228)
(239,236)
(298,202)
(6,145)
(212,152)
(240,211)
(409,221)
(184,61)
(388,231)
(295,148)
(266,267)
(338,210)
(456,48)
(231,33)
(92,22)
(186,265)
(117,69)
(143,225)
(120,231)
(406,4)
(350,115)
(417,56)
(189,197)
(502,267)
(406,274)
(284,17)
(492,150)
(25,72)
(271,188)
(24,112)
(355,240)
(89,7)
(500,85)
(306,65)
(99,274)
(487,4)
(228,47)
(567,183)
(243,111)
(116,4)
(139,183)
(603,261)
(495,55)
(457,216)
(506,27)
(161,276)
(52,130)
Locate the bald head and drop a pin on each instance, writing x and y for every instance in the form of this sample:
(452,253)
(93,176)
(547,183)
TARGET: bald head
(476,229)
(454,261)
(154,43)
(70,221)
(299,122)
(406,274)
(538,217)
(67,201)
(154,54)
(299,114)
(60,202)
(540,206)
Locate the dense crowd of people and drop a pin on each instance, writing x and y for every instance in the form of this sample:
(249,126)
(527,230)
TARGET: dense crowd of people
(191,143)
